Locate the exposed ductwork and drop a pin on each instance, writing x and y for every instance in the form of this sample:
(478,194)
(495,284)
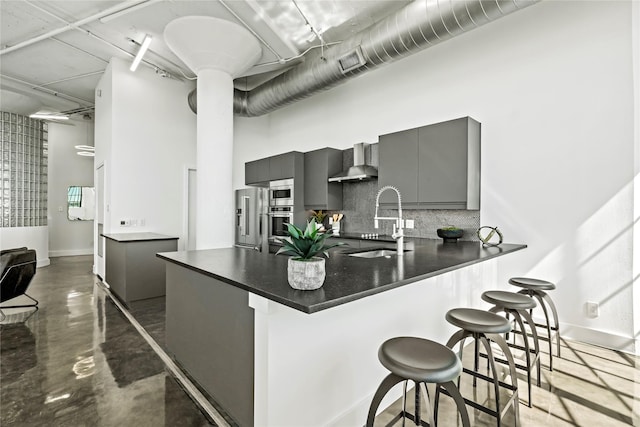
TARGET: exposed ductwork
(418,25)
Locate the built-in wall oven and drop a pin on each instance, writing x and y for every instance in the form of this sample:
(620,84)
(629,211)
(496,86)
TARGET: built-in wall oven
(279,217)
(281,192)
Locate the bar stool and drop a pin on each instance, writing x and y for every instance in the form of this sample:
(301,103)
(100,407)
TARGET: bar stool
(517,305)
(536,288)
(483,326)
(423,362)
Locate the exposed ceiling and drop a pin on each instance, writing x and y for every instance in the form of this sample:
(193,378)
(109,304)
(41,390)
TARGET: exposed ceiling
(53,53)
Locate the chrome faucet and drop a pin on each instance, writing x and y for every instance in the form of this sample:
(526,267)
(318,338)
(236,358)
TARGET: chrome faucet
(397,234)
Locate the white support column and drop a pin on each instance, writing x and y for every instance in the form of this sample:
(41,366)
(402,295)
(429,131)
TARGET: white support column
(214,216)
(217,51)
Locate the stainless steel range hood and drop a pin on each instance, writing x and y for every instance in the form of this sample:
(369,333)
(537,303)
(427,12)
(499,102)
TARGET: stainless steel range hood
(360,171)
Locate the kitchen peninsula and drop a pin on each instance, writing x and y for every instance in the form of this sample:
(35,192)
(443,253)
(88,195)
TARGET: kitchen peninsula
(274,356)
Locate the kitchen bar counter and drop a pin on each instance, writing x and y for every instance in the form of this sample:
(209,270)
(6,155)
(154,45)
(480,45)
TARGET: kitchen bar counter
(132,270)
(348,278)
(274,356)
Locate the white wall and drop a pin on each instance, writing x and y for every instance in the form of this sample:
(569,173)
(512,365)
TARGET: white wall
(149,138)
(66,169)
(32,237)
(553,88)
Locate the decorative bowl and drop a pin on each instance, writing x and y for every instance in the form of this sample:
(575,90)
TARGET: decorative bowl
(449,235)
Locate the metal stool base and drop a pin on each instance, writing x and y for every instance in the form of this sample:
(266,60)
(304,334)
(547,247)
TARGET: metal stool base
(485,339)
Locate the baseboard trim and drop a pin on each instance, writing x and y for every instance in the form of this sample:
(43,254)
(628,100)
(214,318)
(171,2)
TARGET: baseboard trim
(70,252)
(43,262)
(600,338)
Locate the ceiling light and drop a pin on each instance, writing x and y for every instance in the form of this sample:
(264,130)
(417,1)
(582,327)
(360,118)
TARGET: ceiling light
(85,147)
(86,153)
(143,48)
(49,117)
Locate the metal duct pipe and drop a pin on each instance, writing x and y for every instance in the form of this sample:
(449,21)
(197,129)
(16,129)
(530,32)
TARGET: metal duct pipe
(418,25)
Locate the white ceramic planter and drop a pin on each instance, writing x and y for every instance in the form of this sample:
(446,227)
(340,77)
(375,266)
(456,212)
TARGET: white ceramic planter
(306,275)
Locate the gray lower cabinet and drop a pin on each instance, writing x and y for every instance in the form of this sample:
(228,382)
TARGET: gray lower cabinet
(434,167)
(281,166)
(132,270)
(210,332)
(319,193)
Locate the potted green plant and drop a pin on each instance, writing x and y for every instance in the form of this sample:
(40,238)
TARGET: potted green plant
(319,216)
(306,270)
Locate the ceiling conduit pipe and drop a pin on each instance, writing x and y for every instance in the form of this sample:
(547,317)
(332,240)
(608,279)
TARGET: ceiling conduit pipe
(119,8)
(418,25)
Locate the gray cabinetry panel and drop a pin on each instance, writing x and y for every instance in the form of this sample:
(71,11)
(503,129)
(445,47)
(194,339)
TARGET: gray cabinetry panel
(256,172)
(281,166)
(319,193)
(442,174)
(210,332)
(399,166)
(284,166)
(278,167)
(132,269)
(434,167)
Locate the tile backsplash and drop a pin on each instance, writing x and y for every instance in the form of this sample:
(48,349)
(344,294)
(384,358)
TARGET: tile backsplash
(359,204)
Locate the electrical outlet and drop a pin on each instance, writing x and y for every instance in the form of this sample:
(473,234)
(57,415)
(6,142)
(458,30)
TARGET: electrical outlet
(593,309)
(410,223)
(143,222)
(125,223)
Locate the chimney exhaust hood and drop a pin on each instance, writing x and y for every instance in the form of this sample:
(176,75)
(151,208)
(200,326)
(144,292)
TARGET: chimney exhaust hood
(360,171)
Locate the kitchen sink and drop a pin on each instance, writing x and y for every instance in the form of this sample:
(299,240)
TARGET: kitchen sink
(376,253)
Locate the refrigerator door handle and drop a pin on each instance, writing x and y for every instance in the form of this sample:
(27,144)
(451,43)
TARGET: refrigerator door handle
(245,216)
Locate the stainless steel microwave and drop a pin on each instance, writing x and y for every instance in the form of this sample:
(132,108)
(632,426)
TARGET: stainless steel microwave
(281,192)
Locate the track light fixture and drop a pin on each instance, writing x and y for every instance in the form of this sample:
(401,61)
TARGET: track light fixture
(48,117)
(143,49)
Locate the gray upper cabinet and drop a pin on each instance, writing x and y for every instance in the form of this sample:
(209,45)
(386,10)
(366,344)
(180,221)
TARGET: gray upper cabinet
(256,172)
(449,172)
(319,165)
(398,153)
(281,166)
(441,172)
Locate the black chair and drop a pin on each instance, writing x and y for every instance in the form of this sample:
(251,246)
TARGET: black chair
(17,268)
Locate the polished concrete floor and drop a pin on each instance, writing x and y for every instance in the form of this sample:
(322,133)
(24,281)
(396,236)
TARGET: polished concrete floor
(78,361)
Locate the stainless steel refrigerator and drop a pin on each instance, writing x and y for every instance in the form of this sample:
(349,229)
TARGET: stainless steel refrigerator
(251,224)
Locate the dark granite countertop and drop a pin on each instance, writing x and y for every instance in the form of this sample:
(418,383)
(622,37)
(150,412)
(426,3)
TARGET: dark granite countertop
(137,237)
(348,278)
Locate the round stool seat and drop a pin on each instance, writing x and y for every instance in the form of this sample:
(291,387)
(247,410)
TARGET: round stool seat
(474,320)
(419,359)
(533,284)
(509,300)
